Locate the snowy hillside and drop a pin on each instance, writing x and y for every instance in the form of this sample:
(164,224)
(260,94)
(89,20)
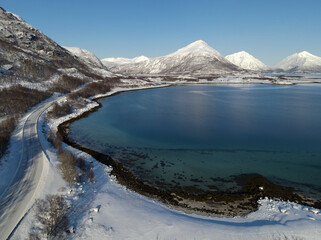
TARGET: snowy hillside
(85,56)
(247,61)
(112,62)
(197,58)
(303,62)
(90,60)
(27,55)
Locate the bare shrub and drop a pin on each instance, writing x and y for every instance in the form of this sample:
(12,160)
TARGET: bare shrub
(55,140)
(6,128)
(33,235)
(92,75)
(73,96)
(67,166)
(81,164)
(94,88)
(17,99)
(66,84)
(59,110)
(73,169)
(86,172)
(52,214)
(36,70)
(91,175)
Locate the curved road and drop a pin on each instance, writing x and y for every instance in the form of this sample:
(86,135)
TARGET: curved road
(29,176)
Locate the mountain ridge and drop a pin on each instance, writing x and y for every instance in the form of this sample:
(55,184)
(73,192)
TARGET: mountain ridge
(114,61)
(197,58)
(26,54)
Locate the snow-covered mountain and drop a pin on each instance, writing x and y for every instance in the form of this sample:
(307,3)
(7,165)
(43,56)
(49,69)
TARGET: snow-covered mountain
(26,54)
(247,61)
(90,60)
(85,56)
(112,62)
(197,58)
(303,62)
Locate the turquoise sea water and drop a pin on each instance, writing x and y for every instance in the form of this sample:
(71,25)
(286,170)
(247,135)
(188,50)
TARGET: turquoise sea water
(205,135)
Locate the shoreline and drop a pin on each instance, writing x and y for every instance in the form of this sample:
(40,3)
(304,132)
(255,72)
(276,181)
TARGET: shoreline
(208,203)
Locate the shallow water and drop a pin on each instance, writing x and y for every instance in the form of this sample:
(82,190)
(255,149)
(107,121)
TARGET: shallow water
(204,135)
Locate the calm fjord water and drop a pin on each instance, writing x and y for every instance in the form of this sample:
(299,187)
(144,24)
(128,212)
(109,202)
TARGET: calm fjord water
(204,135)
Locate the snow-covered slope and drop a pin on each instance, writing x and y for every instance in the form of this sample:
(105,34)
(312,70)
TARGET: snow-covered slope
(303,62)
(85,56)
(197,58)
(111,62)
(246,61)
(27,55)
(32,55)
(90,60)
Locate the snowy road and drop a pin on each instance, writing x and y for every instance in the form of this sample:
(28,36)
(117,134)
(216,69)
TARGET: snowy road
(28,177)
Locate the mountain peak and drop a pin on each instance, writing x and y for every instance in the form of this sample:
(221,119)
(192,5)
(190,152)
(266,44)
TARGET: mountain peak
(5,15)
(304,54)
(199,43)
(247,61)
(140,58)
(301,62)
(199,48)
(242,53)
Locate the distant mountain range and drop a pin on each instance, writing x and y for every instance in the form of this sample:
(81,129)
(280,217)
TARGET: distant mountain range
(198,58)
(112,62)
(26,54)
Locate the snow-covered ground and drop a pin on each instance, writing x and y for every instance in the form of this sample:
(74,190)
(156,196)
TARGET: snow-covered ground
(107,210)
(123,214)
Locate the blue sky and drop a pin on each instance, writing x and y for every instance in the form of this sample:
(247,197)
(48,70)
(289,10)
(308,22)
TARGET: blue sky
(269,30)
